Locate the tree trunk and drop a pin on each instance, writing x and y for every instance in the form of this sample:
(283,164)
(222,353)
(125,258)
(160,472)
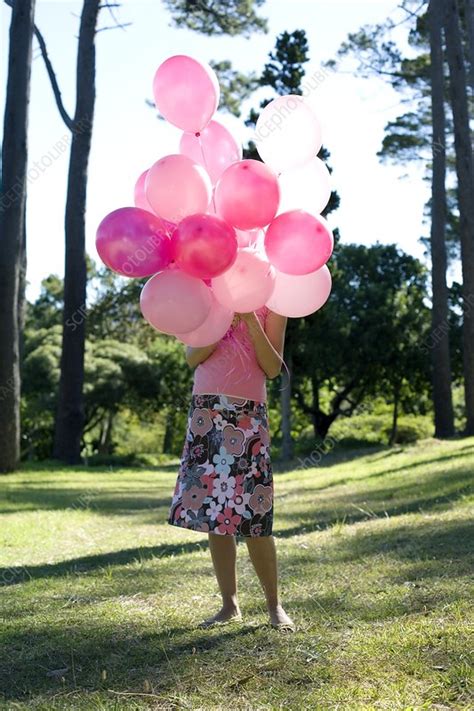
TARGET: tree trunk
(105,441)
(470,31)
(465,177)
(396,401)
(12,211)
(440,351)
(285,402)
(70,412)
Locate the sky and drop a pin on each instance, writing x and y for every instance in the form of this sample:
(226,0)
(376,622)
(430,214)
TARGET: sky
(379,202)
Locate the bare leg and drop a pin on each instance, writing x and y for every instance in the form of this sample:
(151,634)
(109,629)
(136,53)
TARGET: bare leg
(224,556)
(262,552)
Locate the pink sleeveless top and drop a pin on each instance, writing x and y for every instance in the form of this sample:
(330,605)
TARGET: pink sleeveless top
(232,368)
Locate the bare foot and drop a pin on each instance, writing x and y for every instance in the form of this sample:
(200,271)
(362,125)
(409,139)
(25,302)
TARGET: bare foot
(280,620)
(225,614)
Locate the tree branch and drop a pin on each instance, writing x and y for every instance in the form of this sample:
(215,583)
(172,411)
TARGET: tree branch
(52,76)
(54,83)
(114,27)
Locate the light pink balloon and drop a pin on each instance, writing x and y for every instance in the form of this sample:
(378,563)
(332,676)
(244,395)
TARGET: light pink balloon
(139,193)
(287,133)
(307,187)
(247,195)
(215,149)
(186,92)
(134,242)
(301,295)
(298,243)
(212,330)
(174,302)
(204,246)
(247,285)
(176,187)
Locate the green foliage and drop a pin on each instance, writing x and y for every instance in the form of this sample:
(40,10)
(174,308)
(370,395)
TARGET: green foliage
(235,86)
(231,17)
(375,428)
(377,316)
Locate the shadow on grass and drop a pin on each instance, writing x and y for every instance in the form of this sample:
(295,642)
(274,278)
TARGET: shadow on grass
(437,492)
(36,498)
(127,654)
(337,457)
(20,574)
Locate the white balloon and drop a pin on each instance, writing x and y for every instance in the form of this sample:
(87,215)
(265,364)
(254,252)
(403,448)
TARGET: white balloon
(288,133)
(307,188)
(299,295)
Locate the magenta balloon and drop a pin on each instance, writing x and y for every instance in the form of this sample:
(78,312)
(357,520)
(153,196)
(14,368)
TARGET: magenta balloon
(133,242)
(215,149)
(212,330)
(174,302)
(204,246)
(247,285)
(186,92)
(247,195)
(176,187)
(298,243)
(301,295)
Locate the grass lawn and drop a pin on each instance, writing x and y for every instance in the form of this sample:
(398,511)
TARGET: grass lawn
(100,598)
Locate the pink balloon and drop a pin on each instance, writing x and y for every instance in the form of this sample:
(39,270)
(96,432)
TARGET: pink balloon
(176,187)
(186,92)
(204,246)
(212,330)
(298,243)
(247,195)
(247,285)
(174,302)
(139,193)
(133,242)
(287,133)
(215,149)
(301,295)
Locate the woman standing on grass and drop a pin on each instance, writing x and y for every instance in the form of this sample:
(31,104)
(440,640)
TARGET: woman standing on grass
(225,481)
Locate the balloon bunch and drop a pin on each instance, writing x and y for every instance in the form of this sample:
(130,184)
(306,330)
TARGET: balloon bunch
(218,234)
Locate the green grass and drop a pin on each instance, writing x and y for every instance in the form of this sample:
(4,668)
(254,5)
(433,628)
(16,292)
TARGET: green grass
(100,597)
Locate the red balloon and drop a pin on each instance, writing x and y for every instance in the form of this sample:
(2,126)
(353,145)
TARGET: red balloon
(134,242)
(204,246)
(247,195)
(298,243)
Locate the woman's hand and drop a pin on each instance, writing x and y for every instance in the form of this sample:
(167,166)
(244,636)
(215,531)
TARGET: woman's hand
(247,317)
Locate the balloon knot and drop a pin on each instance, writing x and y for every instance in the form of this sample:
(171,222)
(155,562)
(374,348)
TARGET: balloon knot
(197,134)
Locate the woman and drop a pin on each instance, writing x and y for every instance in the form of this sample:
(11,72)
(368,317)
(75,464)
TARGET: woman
(225,481)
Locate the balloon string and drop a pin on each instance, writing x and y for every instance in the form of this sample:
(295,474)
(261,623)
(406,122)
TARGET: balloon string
(198,136)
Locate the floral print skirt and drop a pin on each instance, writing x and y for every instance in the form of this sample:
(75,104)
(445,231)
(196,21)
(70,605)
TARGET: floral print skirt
(225,479)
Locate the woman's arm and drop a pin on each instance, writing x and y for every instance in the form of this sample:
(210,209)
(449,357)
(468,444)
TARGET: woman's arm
(194,356)
(268,343)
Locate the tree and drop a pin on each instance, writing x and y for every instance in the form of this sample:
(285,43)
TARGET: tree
(465,175)
(364,342)
(423,76)
(12,227)
(442,395)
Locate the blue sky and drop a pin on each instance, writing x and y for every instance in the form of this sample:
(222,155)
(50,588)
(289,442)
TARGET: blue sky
(376,202)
